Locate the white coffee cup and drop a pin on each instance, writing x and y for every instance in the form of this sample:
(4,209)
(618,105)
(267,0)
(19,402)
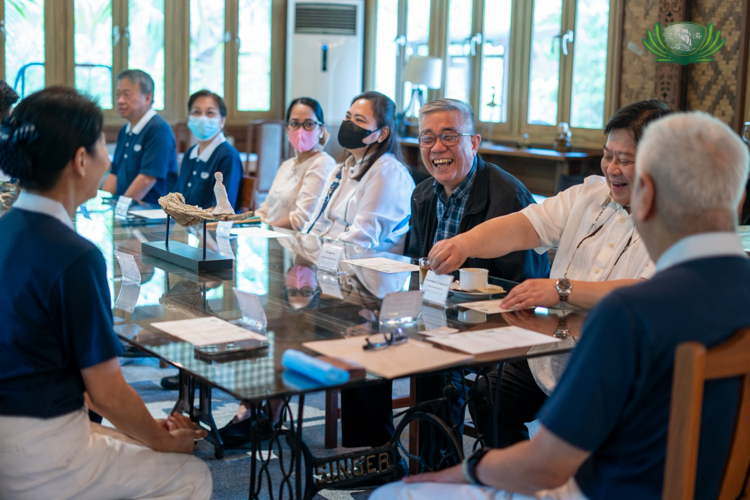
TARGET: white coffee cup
(471,278)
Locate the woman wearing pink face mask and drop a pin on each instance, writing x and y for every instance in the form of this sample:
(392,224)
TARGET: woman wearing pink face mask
(300,180)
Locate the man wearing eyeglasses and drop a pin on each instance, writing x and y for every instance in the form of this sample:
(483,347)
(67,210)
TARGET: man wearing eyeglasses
(604,431)
(464,191)
(598,250)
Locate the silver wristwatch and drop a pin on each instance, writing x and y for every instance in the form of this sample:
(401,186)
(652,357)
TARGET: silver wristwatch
(564,287)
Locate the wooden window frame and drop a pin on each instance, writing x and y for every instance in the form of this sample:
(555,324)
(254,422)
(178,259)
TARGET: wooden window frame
(513,130)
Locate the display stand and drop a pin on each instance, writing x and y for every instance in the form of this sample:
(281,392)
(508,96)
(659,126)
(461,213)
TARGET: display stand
(195,259)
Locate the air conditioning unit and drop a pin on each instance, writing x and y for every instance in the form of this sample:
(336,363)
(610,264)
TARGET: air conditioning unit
(325,46)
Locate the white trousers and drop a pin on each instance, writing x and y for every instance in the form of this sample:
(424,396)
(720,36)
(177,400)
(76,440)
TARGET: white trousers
(439,491)
(69,457)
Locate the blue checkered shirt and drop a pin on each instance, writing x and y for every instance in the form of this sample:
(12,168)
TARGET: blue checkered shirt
(449,213)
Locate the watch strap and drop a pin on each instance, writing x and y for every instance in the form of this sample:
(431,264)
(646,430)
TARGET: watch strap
(469,466)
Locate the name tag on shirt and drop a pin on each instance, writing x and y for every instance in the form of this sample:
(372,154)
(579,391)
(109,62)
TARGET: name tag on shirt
(329,257)
(128,267)
(401,306)
(435,287)
(123,204)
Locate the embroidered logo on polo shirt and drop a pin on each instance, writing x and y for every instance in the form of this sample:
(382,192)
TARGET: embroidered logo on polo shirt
(137,148)
(204,175)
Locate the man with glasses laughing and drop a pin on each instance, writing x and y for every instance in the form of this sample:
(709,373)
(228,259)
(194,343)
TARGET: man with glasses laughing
(465,191)
(598,250)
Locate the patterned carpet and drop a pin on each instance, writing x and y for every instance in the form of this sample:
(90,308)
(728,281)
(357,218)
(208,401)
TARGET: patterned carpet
(231,474)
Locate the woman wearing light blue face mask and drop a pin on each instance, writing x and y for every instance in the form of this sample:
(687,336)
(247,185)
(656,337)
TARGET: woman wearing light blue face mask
(212,153)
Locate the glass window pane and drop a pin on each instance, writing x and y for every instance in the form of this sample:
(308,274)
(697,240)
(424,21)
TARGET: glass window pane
(589,64)
(146,42)
(386,31)
(254,64)
(417,35)
(495,61)
(458,78)
(24,45)
(93,49)
(545,62)
(207,45)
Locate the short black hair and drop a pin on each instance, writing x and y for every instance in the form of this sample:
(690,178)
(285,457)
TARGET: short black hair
(310,102)
(44,132)
(207,93)
(634,117)
(143,79)
(8,98)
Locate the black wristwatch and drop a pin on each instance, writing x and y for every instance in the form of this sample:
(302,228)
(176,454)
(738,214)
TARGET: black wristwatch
(564,288)
(469,466)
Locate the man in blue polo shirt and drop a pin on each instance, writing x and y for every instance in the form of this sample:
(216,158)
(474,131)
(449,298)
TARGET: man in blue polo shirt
(604,429)
(145,163)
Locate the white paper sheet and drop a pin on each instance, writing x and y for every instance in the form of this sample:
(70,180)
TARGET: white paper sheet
(206,331)
(439,332)
(492,340)
(257,232)
(157,213)
(383,265)
(487,306)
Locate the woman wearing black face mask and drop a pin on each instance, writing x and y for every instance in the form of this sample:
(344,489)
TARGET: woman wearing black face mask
(367,198)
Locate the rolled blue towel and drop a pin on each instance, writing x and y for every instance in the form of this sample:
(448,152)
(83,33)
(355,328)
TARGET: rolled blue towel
(314,368)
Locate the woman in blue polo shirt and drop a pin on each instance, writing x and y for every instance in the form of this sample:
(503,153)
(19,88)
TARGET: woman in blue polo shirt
(212,154)
(57,345)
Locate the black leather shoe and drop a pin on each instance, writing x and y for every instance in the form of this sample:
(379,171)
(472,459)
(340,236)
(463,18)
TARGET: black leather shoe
(171,383)
(239,434)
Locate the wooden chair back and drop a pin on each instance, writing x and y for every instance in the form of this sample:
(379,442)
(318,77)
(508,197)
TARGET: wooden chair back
(266,139)
(694,365)
(181,136)
(246,195)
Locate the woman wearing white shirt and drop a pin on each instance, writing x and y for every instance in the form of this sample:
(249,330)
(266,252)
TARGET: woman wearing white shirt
(300,180)
(367,197)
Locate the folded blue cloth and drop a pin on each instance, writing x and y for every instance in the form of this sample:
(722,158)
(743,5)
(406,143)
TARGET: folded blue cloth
(314,368)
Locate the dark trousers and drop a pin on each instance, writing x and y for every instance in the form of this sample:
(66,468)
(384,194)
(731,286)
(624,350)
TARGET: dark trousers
(519,401)
(367,416)
(367,413)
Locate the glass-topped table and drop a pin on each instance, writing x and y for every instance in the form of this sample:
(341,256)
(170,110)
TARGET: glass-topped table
(278,270)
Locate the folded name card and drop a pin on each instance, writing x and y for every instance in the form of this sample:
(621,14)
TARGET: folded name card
(252,310)
(329,257)
(123,204)
(435,287)
(401,306)
(128,267)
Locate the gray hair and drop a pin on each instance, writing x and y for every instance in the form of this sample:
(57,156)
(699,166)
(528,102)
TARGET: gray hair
(699,167)
(446,104)
(143,79)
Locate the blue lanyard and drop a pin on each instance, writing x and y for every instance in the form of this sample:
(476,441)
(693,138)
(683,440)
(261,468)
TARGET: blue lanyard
(331,190)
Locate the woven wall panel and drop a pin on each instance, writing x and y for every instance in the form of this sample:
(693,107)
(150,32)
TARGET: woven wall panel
(712,86)
(638,70)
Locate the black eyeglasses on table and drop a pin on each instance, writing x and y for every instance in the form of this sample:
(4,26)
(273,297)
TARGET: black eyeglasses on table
(383,340)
